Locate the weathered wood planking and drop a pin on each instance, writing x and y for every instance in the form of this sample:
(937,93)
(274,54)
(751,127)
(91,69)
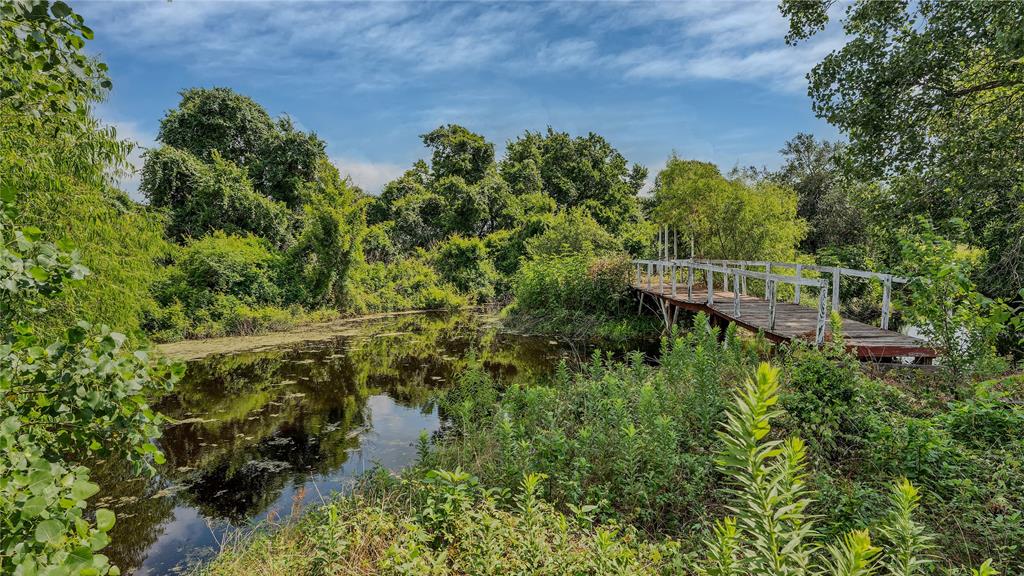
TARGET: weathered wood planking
(792,321)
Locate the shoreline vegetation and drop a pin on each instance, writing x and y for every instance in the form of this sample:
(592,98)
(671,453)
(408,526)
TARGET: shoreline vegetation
(622,468)
(186,350)
(720,457)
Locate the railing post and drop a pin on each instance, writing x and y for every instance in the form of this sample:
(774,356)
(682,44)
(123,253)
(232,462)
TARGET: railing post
(886,295)
(835,288)
(709,277)
(744,280)
(689,282)
(768,272)
(661,277)
(673,266)
(770,286)
(819,330)
(736,294)
(638,274)
(648,275)
(799,275)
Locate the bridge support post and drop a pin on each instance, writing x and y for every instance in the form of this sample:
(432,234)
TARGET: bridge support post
(689,282)
(819,329)
(709,277)
(886,295)
(736,294)
(835,288)
(796,290)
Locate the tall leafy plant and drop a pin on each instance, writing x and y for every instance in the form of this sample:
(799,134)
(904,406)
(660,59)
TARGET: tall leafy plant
(946,304)
(770,532)
(61,401)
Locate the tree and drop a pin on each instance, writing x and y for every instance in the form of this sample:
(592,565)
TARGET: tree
(727,218)
(826,199)
(458,152)
(929,94)
(583,171)
(204,197)
(287,160)
(218,119)
(329,244)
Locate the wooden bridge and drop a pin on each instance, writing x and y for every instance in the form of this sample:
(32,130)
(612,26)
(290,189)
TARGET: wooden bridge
(777,302)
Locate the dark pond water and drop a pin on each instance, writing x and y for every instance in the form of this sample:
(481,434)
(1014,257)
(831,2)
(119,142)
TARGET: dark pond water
(270,433)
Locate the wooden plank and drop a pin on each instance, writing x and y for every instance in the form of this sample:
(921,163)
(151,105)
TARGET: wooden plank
(792,321)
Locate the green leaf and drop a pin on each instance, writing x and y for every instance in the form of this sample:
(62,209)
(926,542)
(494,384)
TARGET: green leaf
(105,519)
(38,273)
(49,531)
(79,558)
(83,489)
(33,507)
(32,233)
(60,9)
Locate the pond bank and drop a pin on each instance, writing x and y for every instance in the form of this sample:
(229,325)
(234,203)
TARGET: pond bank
(187,350)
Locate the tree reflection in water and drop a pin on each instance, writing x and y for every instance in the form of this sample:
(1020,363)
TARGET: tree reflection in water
(261,432)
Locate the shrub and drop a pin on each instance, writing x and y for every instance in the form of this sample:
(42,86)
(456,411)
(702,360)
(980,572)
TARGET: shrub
(446,523)
(464,263)
(628,440)
(945,303)
(405,284)
(572,232)
(771,532)
(571,295)
(241,266)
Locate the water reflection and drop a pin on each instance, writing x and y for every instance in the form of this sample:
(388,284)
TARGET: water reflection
(271,432)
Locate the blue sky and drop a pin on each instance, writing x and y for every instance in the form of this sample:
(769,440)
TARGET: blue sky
(712,80)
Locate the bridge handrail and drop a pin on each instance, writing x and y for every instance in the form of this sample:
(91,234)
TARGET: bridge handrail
(770,280)
(740,267)
(817,268)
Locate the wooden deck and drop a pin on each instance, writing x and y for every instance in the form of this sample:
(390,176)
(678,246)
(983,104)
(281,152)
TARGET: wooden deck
(792,321)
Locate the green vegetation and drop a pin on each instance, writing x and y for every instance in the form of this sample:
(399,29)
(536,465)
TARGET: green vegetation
(661,451)
(812,466)
(62,399)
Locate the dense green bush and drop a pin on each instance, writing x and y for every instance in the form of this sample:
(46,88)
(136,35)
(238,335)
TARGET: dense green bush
(571,295)
(947,306)
(770,530)
(406,284)
(628,441)
(572,232)
(443,523)
(464,263)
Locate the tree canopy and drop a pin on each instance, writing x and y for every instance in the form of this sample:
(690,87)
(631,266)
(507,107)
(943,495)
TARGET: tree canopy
(929,94)
(727,218)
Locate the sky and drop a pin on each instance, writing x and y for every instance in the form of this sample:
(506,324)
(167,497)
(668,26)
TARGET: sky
(710,80)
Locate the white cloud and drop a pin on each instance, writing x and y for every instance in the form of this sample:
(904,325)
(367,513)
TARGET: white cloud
(370,176)
(388,44)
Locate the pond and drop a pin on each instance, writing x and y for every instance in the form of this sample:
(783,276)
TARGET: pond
(263,435)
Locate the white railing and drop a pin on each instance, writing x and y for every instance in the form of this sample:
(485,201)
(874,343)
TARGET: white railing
(836,273)
(739,271)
